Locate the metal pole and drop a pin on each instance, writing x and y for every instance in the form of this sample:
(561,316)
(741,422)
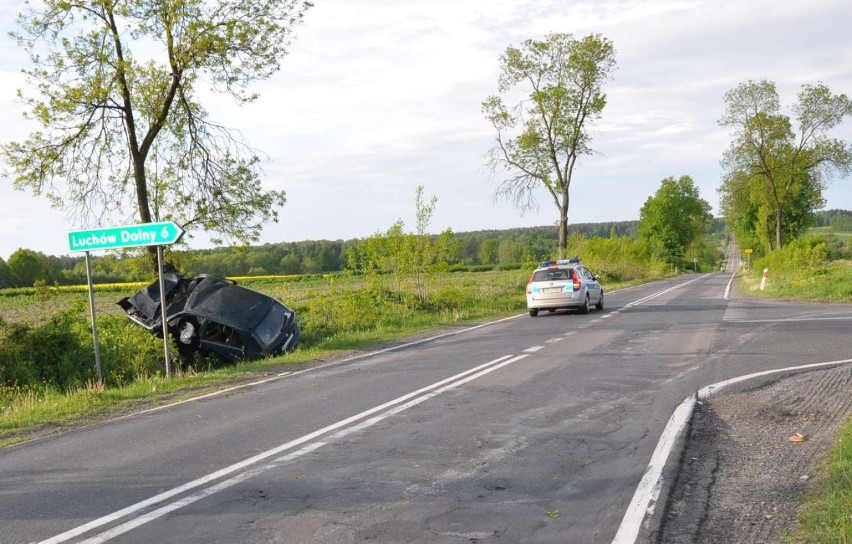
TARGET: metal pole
(163,310)
(94,318)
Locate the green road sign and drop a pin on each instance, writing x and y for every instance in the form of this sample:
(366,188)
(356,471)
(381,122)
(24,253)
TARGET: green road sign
(143,234)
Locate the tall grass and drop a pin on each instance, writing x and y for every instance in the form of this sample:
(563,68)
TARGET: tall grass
(802,270)
(827,515)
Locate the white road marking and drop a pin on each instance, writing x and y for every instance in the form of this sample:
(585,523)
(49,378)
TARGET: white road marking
(663,292)
(533,349)
(406,401)
(553,340)
(648,490)
(788,319)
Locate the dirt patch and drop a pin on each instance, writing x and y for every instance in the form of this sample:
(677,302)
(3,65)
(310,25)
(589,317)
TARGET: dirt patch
(741,479)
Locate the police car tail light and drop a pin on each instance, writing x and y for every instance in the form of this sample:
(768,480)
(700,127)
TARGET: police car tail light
(576,281)
(529,289)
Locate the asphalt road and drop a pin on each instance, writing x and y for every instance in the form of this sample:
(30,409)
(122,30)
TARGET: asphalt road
(527,430)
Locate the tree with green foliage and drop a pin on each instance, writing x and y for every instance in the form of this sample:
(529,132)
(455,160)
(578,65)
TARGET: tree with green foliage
(540,139)
(407,259)
(674,219)
(28,267)
(774,176)
(7,279)
(118,87)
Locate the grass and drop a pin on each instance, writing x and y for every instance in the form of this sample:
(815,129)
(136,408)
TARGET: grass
(830,283)
(827,513)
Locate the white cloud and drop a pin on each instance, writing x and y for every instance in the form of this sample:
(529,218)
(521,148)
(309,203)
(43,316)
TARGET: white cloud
(379,96)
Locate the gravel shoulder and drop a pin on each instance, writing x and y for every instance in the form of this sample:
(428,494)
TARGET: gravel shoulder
(741,480)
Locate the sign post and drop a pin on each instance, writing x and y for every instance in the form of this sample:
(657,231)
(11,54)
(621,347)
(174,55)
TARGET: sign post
(144,234)
(748,253)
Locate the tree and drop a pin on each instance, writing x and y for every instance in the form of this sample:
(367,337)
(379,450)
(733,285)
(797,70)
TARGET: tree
(774,176)
(28,267)
(564,77)
(409,260)
(124,134)
(673,220)
(7,279)
(489,251)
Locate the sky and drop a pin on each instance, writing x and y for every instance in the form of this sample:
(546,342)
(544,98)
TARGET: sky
(378,97)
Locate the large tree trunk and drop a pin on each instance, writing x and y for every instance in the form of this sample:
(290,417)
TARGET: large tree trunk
(778,217)
(563,233)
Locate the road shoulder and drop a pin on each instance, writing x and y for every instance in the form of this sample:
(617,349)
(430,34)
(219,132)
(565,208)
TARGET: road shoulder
(740,478)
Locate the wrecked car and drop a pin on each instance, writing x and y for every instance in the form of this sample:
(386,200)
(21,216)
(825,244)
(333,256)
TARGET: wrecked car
(211,315)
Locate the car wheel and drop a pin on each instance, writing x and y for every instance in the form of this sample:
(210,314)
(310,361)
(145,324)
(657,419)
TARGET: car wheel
(599,305)
(533,312)
(587,306)
(187,339)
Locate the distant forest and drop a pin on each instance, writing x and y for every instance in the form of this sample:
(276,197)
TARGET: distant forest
(484,248)
(25,267)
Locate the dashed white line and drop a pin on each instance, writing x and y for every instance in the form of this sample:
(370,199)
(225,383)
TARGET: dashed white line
(533,349)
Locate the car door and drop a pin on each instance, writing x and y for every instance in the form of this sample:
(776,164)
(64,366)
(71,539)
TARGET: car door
(222,340)
(592,285)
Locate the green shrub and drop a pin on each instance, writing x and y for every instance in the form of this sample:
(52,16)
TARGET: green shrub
(17,367)
(127,350)
(50,354)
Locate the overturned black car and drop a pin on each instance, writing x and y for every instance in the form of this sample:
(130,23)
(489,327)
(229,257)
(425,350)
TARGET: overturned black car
(215,316)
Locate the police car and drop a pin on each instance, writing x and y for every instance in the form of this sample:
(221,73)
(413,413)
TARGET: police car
(563,284)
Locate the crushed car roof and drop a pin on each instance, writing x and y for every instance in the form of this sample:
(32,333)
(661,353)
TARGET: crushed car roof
(228,303)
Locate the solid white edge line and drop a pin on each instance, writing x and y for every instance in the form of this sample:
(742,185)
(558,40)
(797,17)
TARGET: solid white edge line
(648,490)
(712,389)
(243,476)
(730,281)
(204,480)
(644,499)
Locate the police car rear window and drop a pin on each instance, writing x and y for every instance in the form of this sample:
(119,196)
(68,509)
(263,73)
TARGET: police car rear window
(551,275)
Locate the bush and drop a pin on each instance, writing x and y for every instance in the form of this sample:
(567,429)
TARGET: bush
(50,354)
(800,260)
(60,353)
(128,351)
(326,314)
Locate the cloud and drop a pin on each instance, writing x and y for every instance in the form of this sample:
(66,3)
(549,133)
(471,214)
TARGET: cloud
(377,97)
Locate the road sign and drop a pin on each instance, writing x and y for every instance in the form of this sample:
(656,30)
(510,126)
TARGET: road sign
(748,251)
(143,234)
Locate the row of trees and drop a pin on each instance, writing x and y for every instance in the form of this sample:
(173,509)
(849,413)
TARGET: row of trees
(489,247)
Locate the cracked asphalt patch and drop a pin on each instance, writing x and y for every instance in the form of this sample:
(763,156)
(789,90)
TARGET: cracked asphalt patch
(740,480)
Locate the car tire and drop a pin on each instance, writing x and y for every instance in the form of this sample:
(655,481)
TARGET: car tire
(600,304)
(533,312)
(587,306)
(187,343)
